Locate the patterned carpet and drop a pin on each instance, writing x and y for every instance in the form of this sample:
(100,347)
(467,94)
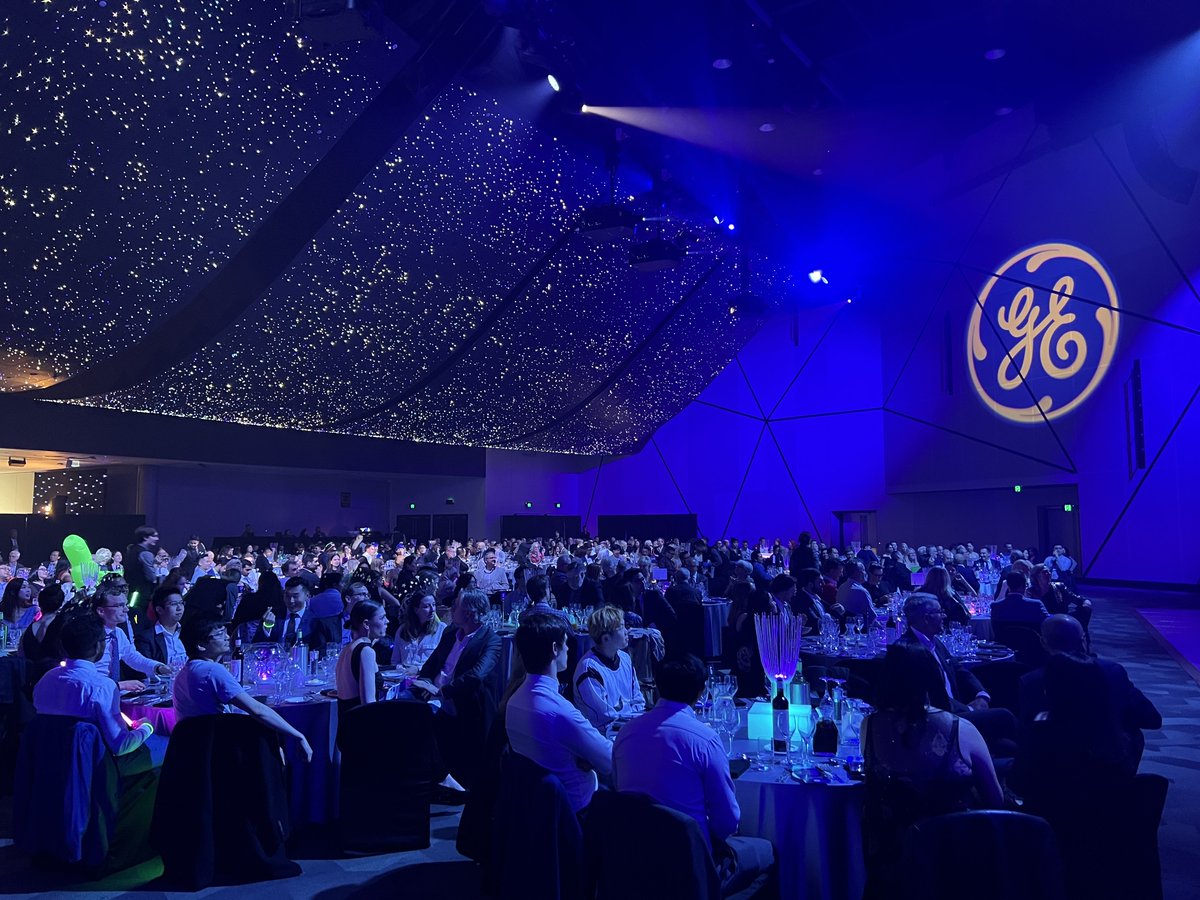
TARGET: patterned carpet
(1119,632)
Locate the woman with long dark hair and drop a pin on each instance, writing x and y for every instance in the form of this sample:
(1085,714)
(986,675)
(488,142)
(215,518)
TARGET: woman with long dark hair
(920,761)
(19,604)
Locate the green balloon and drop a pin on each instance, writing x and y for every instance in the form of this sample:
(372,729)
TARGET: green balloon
(83,567)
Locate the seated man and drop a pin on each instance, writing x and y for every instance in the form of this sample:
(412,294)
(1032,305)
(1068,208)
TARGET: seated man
(1058,598)
(1062,635)
(1016,608)
(160,641)
(680,762)
(539,590)
(458,678)
(543,725)
(301,623)
(206,688)
(111,605)
(852,596)
(958,691)
(605,682)
(82,690)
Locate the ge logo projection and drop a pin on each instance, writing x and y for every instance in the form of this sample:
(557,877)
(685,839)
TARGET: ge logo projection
(1042,351)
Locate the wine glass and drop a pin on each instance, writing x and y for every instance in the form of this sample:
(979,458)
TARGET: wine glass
(803,723)
(725,719)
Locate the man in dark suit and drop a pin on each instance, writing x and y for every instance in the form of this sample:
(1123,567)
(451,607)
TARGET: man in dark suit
(459,676)
(1063,635)
(301,622)
(688,607)
(161,639)
(958,691)
(807,601)
(1016,608)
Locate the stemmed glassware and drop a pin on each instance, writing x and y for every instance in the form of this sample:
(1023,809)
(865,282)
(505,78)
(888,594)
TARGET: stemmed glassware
(725,719)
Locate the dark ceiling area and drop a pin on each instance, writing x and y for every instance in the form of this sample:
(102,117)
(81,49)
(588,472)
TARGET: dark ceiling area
(368,221)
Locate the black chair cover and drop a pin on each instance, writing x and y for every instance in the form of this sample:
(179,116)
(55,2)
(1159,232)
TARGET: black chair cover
(680,864)
(986,854)
(537,845)
(380,812)
(222,810)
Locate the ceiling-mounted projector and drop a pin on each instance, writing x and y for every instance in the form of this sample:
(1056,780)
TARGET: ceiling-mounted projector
(654,255)
(608,223)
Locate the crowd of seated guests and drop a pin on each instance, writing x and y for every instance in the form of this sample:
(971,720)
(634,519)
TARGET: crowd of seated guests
(424,607)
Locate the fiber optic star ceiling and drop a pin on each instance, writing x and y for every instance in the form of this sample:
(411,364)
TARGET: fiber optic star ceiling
(142,144)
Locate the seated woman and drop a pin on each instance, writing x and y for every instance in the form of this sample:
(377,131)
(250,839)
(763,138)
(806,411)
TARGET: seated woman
(920,762)
(357,665)
(605,682)
(937,582)
(205,687)
(39,645)
(19,604)
(419,633)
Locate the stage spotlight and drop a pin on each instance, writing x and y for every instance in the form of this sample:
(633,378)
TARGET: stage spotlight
(816,276)
(554,85)
(731,227)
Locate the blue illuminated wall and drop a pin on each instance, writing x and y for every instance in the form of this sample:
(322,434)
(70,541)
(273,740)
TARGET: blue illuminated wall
(787,434)
(927,454)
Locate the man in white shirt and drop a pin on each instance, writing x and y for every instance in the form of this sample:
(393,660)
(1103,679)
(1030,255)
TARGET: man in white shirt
(111,606)
(206,688)
(605,684)
(669,755)
(543,725)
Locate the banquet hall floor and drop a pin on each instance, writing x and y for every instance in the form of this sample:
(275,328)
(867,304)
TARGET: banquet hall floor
(1121,630)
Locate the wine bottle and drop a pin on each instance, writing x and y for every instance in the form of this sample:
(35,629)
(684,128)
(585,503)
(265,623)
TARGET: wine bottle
(780,726)
(892,627)
(236,659)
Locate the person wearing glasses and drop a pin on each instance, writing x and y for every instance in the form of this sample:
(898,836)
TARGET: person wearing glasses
(111,605)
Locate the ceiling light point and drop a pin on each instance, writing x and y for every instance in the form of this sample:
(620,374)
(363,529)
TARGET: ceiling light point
(554,85)
(766,127)
(722,63)
(816,276)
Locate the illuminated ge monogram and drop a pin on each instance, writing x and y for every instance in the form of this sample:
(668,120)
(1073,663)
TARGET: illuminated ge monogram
(1042,352)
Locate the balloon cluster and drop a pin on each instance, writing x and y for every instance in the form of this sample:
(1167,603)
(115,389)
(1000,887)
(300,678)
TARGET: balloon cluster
(85,572)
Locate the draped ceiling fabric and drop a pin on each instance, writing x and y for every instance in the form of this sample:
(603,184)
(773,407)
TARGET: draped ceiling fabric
(206,211)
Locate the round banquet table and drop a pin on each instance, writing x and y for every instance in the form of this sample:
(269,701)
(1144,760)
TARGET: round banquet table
(816,829)
(716,613)
(981,627)
(312,786)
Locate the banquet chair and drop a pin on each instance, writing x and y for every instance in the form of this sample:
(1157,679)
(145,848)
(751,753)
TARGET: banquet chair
(389,813)
(1108,832)
(65,803)
(537,845)
(989,854)
(680,865)
(221,816)
(1023,640)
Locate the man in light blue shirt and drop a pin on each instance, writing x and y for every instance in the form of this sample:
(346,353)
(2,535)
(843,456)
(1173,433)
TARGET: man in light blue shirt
(78,689)
(543,725)
(669,755)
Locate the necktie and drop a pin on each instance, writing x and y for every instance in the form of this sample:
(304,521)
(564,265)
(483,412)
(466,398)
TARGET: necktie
(289,634)
(114,661)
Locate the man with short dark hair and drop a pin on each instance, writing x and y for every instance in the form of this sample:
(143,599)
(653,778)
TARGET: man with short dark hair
(80,689)
(1015,608)
(680,762)
(300,623)
(539,601)
(543,725)
(206,688)
(852,596)
(160,641)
